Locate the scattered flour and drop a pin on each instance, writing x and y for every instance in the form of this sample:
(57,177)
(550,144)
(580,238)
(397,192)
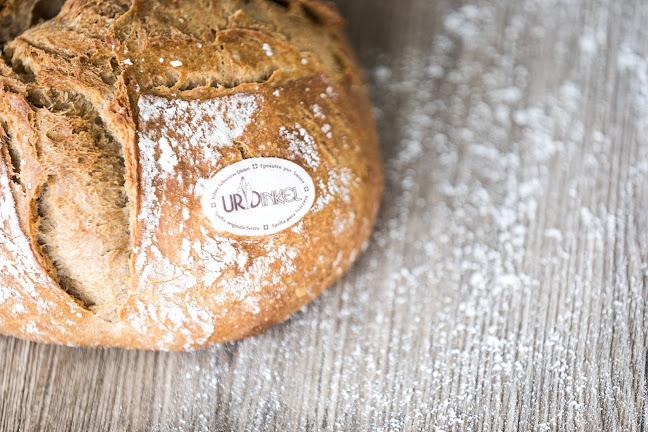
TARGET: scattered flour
(503,262)
(268,50)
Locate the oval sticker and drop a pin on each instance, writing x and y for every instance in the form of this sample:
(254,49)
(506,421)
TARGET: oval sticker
(258,196)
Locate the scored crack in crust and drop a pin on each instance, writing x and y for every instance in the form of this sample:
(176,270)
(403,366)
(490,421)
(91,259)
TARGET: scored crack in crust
(114,114)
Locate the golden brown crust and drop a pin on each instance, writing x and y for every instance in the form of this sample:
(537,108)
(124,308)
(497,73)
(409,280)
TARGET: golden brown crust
(135,107)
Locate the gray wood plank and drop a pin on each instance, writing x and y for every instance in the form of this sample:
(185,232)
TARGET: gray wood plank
(505,287)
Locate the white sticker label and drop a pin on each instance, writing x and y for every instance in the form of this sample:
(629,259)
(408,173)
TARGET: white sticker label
(258,196)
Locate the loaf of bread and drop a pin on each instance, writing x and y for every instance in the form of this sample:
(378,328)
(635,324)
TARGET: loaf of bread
(177,173)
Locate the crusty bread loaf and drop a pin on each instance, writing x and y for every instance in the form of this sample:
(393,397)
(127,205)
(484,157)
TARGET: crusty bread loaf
(120,121)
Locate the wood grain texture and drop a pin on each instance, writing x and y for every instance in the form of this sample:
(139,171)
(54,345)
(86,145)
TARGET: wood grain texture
(505,287)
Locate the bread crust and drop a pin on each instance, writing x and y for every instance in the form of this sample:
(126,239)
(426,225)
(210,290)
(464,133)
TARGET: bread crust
(159,96)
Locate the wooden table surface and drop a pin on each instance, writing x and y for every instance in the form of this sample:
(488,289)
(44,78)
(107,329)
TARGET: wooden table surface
(505,287)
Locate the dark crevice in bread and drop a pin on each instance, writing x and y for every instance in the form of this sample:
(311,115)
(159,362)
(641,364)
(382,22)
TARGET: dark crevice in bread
(21,72)
(282,3)
(13,153)
(340,64)
(45,10)
(311,14)
(260,78)
(15,18)
(60,102)
(167,80)
(110,76)
(198,82)
(245,151)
